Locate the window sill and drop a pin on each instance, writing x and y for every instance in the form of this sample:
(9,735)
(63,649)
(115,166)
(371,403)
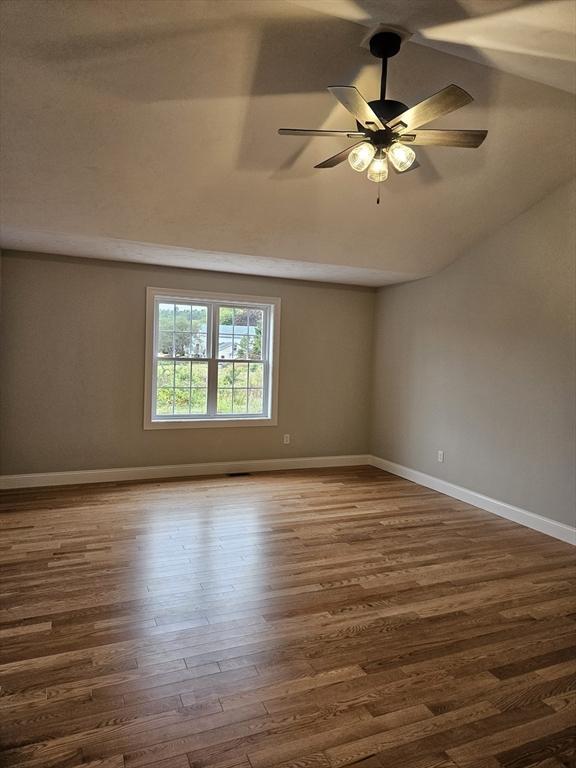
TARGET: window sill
(210,423)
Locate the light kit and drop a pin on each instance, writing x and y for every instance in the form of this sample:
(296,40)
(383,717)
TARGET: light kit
(361,156)
(378,169)
(401,156)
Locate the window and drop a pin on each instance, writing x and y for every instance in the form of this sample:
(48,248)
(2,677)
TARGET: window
(211,359)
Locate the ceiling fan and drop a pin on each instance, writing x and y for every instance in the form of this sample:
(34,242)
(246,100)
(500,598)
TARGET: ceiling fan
(386,128)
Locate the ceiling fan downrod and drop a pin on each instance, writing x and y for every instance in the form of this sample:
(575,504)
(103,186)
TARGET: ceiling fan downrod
(384,45)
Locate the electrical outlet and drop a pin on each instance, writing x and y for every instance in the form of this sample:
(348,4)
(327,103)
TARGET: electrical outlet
(441,456)
(286,439)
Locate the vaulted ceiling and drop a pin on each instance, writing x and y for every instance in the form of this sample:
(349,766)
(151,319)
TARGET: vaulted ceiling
(145,130)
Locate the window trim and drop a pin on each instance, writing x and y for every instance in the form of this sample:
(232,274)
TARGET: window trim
(274,303)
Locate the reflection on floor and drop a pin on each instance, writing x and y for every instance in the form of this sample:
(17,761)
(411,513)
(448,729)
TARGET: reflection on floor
(310,618)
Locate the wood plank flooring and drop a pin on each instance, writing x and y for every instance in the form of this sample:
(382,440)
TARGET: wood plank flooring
(307,619)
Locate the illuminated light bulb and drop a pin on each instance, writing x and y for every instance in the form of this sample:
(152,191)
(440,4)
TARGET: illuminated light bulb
(361,156)
(378,170)
(401,156)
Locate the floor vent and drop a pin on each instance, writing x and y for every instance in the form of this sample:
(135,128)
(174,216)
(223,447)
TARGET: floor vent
(238,474)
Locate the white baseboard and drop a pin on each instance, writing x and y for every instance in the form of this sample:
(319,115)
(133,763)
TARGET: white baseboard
(120,474)
(79,477)
(502,509)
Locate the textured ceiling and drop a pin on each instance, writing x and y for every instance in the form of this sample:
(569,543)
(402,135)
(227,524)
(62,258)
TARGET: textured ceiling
(151,135)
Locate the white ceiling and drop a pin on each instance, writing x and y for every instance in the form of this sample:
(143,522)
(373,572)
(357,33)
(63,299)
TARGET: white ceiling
(150,134)
(535,39)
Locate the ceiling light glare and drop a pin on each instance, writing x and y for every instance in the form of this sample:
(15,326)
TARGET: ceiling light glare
(401,156)
(378,170)
(361,156)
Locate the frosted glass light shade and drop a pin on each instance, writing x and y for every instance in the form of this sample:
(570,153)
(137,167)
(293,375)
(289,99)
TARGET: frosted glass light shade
(378,170)
(361,156)
(401,156)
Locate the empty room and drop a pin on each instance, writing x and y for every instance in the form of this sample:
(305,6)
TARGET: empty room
(287,383)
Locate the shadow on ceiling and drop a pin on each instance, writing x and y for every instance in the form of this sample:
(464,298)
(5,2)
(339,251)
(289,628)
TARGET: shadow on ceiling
(249,57)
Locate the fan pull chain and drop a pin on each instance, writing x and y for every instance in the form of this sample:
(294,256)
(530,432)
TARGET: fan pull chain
(378,198)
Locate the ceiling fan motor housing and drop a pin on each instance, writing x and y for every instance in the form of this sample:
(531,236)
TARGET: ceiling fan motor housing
(386,109)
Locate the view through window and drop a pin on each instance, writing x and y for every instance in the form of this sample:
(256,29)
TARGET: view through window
(212,359)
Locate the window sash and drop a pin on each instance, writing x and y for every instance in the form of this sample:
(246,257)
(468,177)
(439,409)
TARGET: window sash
(212,346)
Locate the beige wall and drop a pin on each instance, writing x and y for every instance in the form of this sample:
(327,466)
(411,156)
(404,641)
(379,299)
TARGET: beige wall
(72,368)
(478,360)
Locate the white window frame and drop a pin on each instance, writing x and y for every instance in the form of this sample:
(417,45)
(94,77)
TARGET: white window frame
(270,348)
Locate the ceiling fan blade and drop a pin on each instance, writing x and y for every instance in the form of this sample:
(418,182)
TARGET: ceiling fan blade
(314,132)
(337,159)
(444,138)
(351,98)
(441,103)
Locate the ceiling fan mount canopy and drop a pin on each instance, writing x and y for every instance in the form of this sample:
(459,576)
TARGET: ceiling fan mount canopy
(386,44)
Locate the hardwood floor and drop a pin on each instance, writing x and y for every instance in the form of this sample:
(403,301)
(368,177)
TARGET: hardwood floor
(308,619)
